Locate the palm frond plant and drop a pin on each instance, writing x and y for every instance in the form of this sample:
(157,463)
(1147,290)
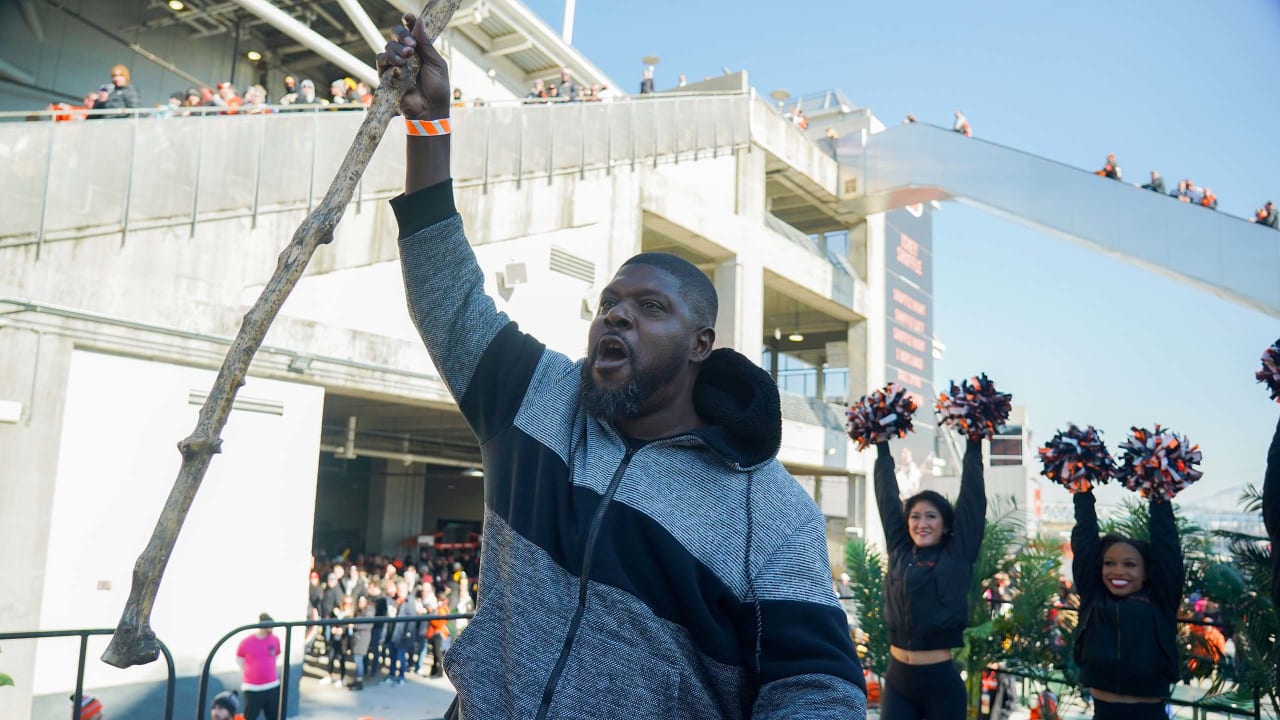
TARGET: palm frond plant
(866,568)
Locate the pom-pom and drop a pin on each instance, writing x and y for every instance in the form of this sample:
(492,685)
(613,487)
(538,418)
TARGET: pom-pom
(974,407)
(881,415)
(1159,464)
(1077,459)
(1270,372)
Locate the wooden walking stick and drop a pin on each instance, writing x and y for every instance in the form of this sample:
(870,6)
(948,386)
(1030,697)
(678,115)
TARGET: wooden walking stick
(134,642)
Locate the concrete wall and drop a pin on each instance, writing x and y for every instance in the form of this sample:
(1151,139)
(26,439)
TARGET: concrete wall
(115,465)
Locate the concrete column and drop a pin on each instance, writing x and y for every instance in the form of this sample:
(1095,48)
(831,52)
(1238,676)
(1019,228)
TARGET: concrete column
(867,352)
(859,377)
(751,194)
(740,285)
(402,496)
(33,371)
(876,323)
(625,224)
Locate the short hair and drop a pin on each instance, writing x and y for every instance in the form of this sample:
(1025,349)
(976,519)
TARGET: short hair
(695,287)
(936,499)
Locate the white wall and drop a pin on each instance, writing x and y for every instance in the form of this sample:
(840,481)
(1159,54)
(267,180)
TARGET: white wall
(246,544)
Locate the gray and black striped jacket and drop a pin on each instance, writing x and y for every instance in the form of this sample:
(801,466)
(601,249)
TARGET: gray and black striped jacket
(685,579)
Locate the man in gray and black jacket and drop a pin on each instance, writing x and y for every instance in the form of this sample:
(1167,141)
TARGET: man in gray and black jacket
(644,551)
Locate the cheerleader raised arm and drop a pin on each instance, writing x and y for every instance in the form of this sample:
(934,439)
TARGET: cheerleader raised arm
(1130,589)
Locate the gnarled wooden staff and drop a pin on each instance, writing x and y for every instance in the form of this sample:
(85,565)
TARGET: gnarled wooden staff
(134,642)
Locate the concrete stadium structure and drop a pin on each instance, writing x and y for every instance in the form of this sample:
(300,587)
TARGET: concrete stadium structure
(130,248)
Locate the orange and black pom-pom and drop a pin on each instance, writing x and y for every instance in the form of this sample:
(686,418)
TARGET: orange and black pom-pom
(1158,464)
(1270,372)
(1077,459)
(882,415)
(974,407)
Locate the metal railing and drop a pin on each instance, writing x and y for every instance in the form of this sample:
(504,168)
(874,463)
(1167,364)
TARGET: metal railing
(138,170)
(1201,706)
(84,647)
(202,693)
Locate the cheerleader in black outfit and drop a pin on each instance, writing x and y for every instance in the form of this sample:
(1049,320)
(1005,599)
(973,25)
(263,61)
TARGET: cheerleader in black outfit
(1270,374)
(932,548)
(1126,639)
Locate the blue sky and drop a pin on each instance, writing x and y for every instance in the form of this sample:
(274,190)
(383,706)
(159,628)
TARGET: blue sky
(1188,88)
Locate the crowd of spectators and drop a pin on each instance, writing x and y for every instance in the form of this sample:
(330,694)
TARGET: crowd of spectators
(377,586)
(1188,192)
(566,90)
(120,95)
(346,93)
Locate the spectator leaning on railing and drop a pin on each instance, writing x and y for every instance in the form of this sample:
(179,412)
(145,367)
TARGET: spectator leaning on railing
(1266,215)
(1156,184)
(119,95)
(1111,168)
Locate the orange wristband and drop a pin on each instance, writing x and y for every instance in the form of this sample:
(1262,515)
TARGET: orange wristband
(424,128)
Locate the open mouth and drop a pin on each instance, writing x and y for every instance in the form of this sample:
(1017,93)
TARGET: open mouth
(1119,583)
(611,352)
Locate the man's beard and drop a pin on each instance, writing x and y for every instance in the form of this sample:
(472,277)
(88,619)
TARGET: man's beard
(631,399)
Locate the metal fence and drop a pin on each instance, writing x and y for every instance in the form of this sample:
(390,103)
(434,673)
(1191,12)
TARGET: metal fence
(202,698)
(202,693)
(1201,706)
(84,647)
(61,180)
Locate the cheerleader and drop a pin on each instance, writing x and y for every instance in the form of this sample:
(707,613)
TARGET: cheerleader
(1270,374)
(932,548)
(1130,589)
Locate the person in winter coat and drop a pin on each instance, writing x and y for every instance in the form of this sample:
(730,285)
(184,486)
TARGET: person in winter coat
(932,548)
(119,95)
(1130,590)
(361,636)
(644,550)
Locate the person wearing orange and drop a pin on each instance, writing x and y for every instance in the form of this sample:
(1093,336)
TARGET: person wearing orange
(437,634)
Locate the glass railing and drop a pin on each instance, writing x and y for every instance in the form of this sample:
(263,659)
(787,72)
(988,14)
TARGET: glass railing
(140,171)
(1224,254)
(62,180)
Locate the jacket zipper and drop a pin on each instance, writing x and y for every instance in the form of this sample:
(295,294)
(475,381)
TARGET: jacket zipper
(1118,640)
(549,691)
(906,608)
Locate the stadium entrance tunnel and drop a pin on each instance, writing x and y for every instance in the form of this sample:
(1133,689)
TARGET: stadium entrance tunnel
(394,479)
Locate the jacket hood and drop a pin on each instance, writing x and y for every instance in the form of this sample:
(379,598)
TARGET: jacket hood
(740,402)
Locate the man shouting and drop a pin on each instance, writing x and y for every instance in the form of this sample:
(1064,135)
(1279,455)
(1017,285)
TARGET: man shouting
(645,554)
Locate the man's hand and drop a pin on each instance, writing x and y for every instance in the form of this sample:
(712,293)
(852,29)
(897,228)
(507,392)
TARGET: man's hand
(428,98)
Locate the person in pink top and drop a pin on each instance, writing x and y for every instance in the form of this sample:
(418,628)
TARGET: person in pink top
(257,655)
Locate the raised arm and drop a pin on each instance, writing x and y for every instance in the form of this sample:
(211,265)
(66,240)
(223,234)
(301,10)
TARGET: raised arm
(483,358)
(1271,513)
(889,500)
(1167,573)
(1086,564)
(971,506)
(804,659)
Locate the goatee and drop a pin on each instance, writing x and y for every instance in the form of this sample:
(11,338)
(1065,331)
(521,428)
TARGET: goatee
(632,398)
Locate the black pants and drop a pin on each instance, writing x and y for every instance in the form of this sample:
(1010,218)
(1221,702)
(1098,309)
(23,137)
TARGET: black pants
(923,692)
(1103,710)
(337,657)
(266,702)
(437,654)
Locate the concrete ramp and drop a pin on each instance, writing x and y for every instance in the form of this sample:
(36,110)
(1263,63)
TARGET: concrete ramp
(1227,256)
